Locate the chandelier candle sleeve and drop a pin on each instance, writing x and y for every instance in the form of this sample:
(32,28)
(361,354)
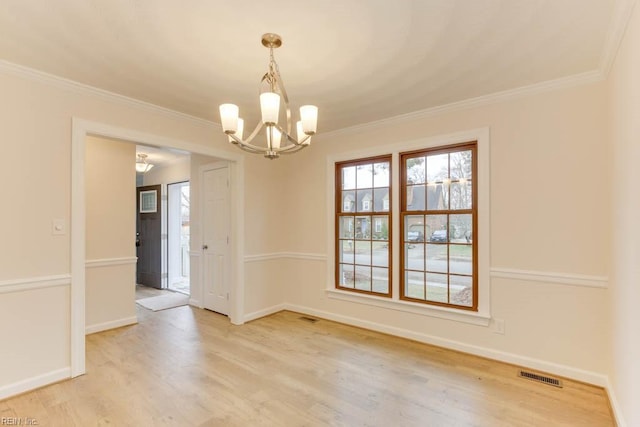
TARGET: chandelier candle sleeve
(303,138)
(273,96)
(239,132)
(309,116)
(270,107)
(229,117)
(273,138)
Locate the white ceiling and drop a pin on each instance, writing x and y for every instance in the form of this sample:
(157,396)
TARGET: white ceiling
(358,60)
(160,157)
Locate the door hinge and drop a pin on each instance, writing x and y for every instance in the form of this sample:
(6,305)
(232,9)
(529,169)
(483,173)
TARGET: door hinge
(227,240)
(227,296)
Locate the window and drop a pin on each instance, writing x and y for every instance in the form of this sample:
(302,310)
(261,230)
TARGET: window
(148,201)
(438,222)
(436,231)
(363,237)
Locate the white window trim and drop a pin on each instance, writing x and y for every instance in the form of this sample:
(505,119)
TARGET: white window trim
(480,317)
(366,205)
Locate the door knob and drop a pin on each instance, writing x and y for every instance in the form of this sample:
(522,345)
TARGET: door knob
(205,247)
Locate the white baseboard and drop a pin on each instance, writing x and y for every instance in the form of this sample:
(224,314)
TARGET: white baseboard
(264,312)
(615,405)
(195,303)
(34,382)
(99,327)
(515,359)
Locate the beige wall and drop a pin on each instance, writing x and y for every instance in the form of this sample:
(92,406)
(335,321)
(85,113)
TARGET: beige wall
(110,198)
(624,113)
(550,212)
(35,276)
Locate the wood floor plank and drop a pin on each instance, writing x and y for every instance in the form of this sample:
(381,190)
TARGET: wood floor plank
(191,367)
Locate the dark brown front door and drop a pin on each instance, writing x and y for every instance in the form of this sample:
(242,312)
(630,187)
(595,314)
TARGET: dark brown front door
(148,236)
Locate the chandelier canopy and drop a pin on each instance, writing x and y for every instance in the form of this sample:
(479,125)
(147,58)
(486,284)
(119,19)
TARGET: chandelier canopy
(279,139)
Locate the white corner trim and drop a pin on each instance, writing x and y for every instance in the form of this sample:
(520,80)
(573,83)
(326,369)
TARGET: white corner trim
(615,405)
(622,11)
(284,255)
(471,317)
(511,358)
(11,68)
(30,283)
(110,262)
(264,312)
(34,382)
(112,324)
(551,277)
(195,303)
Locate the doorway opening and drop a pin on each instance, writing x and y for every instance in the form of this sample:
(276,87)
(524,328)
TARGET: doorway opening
(178,236)
(81,129)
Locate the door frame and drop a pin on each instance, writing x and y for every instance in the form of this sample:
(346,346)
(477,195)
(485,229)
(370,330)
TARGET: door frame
(80,128)
(201,171)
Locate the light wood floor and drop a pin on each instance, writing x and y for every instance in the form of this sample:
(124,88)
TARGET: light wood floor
(189,367)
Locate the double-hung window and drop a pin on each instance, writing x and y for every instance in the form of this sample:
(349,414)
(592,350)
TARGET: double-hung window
(438,222)
(363,226)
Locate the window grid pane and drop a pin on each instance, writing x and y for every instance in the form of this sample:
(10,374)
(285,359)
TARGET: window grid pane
(363,218)
(438,218)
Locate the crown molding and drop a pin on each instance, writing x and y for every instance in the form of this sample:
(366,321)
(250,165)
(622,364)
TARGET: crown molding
(84,89)
(620,17)
(480,101)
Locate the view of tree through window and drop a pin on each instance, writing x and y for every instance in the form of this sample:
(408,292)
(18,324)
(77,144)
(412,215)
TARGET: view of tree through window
(438,219)
(363,225)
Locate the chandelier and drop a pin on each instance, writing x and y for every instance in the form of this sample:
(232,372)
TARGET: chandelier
(279,139)
(141,164)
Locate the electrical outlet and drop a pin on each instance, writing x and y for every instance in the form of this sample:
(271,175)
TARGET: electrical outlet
(498,326)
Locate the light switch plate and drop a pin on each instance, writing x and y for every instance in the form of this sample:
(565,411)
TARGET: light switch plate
(58,227)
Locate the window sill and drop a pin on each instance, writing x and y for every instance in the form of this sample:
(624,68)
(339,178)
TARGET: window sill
(473,318)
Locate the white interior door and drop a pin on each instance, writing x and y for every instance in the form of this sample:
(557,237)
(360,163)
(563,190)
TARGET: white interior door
(215,238)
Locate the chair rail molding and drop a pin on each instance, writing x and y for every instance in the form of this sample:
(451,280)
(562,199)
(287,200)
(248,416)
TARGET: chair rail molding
(110,262)
(31,283)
